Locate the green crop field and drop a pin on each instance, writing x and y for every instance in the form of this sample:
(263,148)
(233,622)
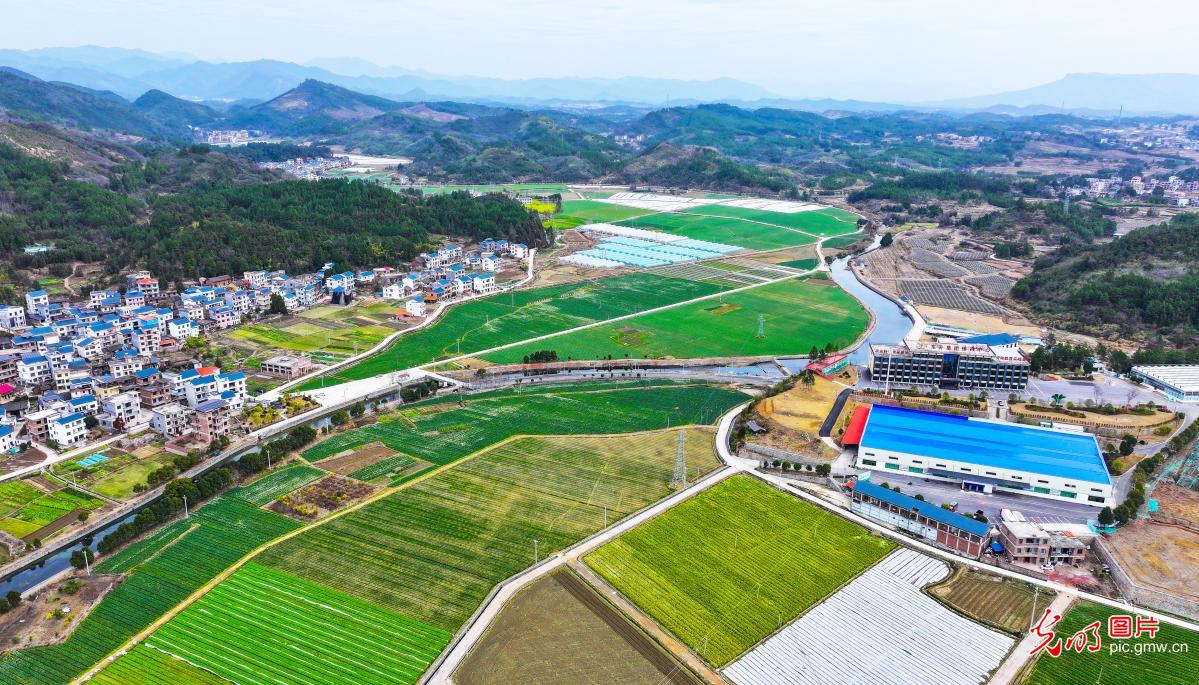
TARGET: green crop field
(164,568)
(1118,668)
(802,264)
(723,568)
(840,241)
(433,550)
(512,317)
(274,485)
(146,666)
(16,493)
(383,467)
(540,188)
(729,231)
(823,222)
(591,211)
(44,510)
(798,314)
(262,626)
(441,434)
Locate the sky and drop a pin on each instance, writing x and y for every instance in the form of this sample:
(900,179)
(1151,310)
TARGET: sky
(895,50)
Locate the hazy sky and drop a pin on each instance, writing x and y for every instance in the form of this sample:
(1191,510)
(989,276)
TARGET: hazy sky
(870,49)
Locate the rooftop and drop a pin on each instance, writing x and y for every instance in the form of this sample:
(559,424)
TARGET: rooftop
(930,511)
(1185,377)
(986,443)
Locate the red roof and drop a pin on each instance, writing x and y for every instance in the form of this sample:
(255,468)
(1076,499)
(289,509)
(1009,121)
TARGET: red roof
(820,365)
(6,388)
(857,424)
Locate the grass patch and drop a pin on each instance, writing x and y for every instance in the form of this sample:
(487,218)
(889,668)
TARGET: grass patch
(722,568)
(730,231)
(274,485)
(823,222)
(592,211)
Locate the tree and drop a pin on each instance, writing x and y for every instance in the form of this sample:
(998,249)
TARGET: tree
(80,558)
(1058,398)
(14,598)
(357,409)
(807,378)
(90,422)
(887,239)
(1106,517)
(339,418)
(277,304)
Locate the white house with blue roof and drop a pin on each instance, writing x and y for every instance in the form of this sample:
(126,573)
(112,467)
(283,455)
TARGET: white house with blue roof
(37,302)
(68,430)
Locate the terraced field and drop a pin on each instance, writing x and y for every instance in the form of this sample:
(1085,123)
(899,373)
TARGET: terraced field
(718,229)
(262,626)
(445,432)
(163,569)
(725,568)
(798,314)
(512,317)
(1119,667)
(44,509)
(434,550)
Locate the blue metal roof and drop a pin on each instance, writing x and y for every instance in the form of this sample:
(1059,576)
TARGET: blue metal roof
(1072,456)
(998,339)
(930,511)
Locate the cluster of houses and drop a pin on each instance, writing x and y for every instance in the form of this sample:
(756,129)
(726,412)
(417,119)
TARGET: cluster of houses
(452,272)
(1174,190)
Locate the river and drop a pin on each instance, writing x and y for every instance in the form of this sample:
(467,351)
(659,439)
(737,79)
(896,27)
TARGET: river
(891,323)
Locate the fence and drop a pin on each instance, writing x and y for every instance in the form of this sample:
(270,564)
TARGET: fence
(782,455)
(1138,594)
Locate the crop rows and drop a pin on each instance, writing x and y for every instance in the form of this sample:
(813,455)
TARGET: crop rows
(946,295)
(225,531)
(825,222)
(272,486)
(993,285)
(263,626)
(434,550)
(1118,668)
(147,666)
(511,317)
(444,436)
(724,568)
(382,468)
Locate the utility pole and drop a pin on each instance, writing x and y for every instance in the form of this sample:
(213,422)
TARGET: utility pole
(536,556)
(185,514)
(679,479)
(86,563)
(1033,619)
(605,517)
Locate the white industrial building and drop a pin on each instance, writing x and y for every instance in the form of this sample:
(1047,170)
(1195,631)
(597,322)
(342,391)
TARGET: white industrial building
(1179,382)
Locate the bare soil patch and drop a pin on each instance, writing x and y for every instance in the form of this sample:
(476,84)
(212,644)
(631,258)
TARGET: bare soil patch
(322,497)
(51,615)
(353,460)
(1159,556)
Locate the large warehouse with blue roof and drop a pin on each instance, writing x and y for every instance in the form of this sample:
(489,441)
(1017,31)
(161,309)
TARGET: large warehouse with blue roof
(983,455)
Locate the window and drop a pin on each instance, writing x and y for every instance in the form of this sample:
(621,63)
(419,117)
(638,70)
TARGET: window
(893,458)
(893,466)
(966,469)
(940,466)
(1093,498)
(990,473)
(1043,482)
(869,462)
(1070,495)
(915,469)
(1096,489)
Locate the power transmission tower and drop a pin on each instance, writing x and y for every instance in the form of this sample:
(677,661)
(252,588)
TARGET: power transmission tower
(679,479)
(761,325)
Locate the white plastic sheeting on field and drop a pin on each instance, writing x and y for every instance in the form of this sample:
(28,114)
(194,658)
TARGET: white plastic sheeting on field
(630,232)
(880,629)
(675,203)
(587,260)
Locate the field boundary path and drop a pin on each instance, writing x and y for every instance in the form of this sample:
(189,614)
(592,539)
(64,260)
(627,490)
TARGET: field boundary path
(1020,656)
(442,670)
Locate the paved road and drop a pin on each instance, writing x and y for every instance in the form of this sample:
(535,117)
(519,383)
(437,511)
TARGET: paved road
(1010,669)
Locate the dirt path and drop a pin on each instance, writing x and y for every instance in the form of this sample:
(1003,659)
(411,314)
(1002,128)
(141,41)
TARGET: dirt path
(1011,668)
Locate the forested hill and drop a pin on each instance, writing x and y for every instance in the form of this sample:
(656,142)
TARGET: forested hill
(1144,282)
(215,226)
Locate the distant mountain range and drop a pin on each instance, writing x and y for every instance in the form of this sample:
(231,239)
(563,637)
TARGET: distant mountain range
(130,73)
(1094,93)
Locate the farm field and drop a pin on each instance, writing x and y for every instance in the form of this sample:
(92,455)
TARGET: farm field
(164,568)
(16,493)
(35,514)
(263,626)
(148,666)
(443,433)
(1000,602)
(729,231)
(798,314)
(498,188)
(840,241)
(1117,668)
(559,630)
(824,222)
(116,476)
(722,569)
(879,629)
(465,529)
(512,317)
(274,485)
(591,211)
